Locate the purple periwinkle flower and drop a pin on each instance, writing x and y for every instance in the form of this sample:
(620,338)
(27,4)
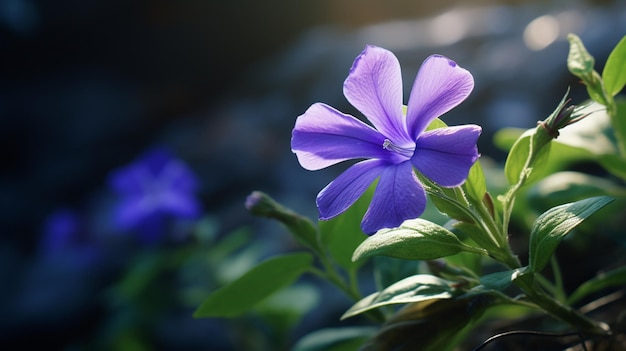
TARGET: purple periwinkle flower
(155,187)
(65,239)
(395,145)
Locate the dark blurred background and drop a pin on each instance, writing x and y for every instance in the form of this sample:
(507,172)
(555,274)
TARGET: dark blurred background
(86,86)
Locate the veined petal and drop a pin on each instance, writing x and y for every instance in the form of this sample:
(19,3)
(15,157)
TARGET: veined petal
(324,136)
(399,196)
(445,155)
(440,85)
(342,192)
(374,87)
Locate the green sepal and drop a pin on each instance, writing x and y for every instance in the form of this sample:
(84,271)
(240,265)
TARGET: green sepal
(254,286)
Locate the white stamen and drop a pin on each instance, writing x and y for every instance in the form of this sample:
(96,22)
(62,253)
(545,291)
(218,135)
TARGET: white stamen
(389,145)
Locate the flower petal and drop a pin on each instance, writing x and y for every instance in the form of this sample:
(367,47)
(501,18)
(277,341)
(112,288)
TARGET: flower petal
(180,205)
(324,136)
(445,155)
(131,211)
(178,177)
(342,192)
(399,196)
(128,180)
(440,85)
(374,87)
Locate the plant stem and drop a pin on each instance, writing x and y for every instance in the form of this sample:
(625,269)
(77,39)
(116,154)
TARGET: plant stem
(351,289)
(559,310)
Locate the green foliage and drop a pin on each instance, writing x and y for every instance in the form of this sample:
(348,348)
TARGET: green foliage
(523,163)
(388,270)
(564,187)
(343,234)
(614,73)
(302,229)
(589,140)
(254,286)
(618,122)
(476,185)
(335,339)
(581,64)
(613,278)
(431,325)
(416,288)
(552,226)
(448,202)
(415,239)
(501,280)
(474,232)
(579,61)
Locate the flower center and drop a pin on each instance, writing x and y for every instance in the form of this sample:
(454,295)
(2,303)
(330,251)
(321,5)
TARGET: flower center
(404,151)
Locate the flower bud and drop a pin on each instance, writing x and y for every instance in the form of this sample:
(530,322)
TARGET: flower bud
(262,205)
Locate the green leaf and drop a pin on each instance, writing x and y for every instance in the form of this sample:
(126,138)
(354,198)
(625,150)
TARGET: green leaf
(303,230)
(415,239)
(475,233)
(445,204)
(501,280)
(614,73)
(335,339)
(552,226)
(388,270)
(342,234)
(614,165)
(505,138)
(420,287)
(516,160)
(475,185)
(579,61)
(618,122)
(614,278)
(563,187)
(435,325)
(595,88)
(254,286)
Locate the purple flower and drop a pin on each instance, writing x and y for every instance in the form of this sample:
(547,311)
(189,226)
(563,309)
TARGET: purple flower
(155,187)
(65,239)
(398,142)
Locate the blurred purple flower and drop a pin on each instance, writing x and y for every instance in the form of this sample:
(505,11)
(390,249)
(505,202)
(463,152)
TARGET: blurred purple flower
(323,136)
(64,238)
(155,187)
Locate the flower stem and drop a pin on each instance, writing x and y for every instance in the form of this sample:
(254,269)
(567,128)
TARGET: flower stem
(559,310)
